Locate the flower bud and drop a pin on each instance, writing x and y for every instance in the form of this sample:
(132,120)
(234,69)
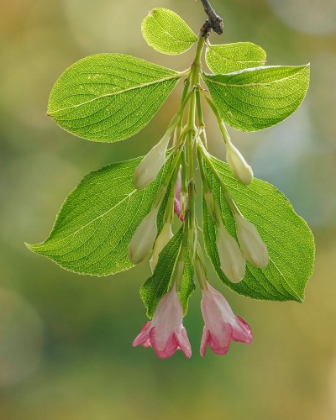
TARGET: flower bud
(148,169)
(162,240)
(253,247)
(231,259)
(240,169)
(144,237)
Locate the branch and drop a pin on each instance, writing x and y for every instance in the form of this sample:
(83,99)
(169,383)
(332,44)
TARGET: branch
(215,22)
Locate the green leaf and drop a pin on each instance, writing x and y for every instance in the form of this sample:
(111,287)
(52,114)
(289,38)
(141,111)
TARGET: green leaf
(167,32)
(288,238)
(227,58)
(253,99)
(187,284)
(97,221)
(157,285)
(110,97)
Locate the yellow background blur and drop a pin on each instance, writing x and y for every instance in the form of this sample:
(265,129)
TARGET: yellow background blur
(65,340)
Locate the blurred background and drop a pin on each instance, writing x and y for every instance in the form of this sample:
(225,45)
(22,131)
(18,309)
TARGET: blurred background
(65,340)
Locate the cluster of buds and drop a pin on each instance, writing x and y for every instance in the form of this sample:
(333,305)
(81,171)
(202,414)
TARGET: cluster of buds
(165,333)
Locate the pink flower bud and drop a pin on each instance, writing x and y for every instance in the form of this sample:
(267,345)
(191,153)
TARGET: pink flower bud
(165,333)
(180,200)
(240,169)
(231,259)
(253,247)
(142,242)
(148,169)
(221,325)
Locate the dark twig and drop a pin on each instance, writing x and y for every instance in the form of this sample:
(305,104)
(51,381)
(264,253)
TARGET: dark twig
(215,22)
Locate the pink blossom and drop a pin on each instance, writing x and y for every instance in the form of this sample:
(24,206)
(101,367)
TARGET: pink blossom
(221,325)
(179,211)
(165,333)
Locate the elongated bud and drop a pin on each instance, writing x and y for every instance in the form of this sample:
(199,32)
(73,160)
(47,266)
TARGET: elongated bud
(180,198)
(148,169)
(142,242)
(162,240)
(232,261)
(253,247)
(240,169)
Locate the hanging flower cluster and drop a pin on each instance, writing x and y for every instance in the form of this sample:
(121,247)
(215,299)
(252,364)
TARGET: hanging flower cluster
(145,208)
(165,333)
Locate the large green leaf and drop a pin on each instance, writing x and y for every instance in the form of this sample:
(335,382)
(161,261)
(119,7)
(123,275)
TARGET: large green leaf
(109,97)
(157,285)
(227,58)
(167,32)
(288,238)
(253,99)
(97,221)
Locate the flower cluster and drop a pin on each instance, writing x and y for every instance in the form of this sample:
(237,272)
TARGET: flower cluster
(165,332)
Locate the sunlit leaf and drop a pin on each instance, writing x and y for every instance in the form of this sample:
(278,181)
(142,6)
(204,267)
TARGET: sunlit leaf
(109,97)
(253,99)
(167,32)
(97,221)
(228,58)
(288,238)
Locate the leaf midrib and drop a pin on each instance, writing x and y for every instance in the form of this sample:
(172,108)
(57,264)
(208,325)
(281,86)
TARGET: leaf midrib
(120,92)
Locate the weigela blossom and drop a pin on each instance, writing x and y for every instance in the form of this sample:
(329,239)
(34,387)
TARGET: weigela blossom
(142,242)
(238,165)
(165,333)
(148,169)
(231,259)
(253,247)
(221,325)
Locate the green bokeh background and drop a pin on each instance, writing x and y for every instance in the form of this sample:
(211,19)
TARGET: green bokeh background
(65,340)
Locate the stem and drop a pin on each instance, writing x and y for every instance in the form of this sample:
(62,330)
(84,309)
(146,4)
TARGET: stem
(223,130)
(215,22)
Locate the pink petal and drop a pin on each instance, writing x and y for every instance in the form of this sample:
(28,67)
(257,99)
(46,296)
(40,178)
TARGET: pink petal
(183,342)
(143,338)
(170,346)
(178,208)
(221,344)
(205,341)
(243,334)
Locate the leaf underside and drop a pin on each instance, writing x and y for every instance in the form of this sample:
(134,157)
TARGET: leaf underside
(254,99)
(167,32)
(109,97)
(288,238)
(98,219)
(227,58)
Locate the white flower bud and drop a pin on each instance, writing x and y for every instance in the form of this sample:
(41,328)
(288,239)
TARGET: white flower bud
(162,240)
(240,169)
(232,261)
(142,242)
(150,166)
(253,247)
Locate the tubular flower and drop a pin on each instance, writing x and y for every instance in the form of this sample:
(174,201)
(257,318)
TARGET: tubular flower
(161,241)
(238,165)
(253,247)
(147,171)
(180,203)
(221,325)
(165,333)
(232,261)
(142,242)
